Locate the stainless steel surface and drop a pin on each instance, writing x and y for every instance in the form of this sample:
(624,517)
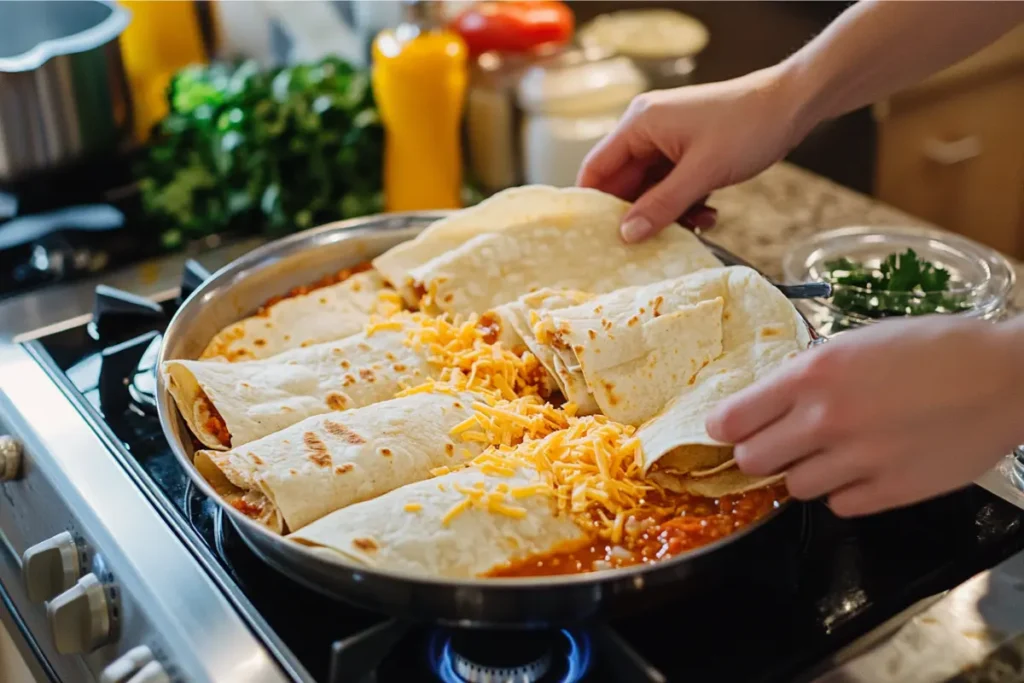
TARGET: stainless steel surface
(808,290)
(965,629)
(71,481)
(239,289)
(62,90)
(44,311)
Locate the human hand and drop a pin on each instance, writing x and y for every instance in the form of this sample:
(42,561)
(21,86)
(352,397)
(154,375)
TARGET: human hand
(885,416)
(673,147)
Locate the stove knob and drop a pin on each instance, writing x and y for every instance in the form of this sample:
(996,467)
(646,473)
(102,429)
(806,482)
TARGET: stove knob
(10,458)
(51,567)
(80,617)
(122,669)
(151,673)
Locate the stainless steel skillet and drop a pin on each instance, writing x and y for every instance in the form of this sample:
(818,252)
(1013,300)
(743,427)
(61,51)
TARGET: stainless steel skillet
(241,287)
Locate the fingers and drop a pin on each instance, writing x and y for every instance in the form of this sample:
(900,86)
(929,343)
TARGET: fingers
(748,411)
(700,216)
(774,448)
(664,202)
(826,471)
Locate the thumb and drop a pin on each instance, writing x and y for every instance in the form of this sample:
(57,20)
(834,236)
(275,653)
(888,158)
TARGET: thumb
(666,201)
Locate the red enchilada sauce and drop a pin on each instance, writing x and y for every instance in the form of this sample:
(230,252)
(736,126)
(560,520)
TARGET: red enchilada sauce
(692,523)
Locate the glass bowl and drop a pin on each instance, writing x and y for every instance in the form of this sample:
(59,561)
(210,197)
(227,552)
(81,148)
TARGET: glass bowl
(981,279)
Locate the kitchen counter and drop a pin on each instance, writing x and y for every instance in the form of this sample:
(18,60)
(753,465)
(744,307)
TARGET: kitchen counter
(758,220)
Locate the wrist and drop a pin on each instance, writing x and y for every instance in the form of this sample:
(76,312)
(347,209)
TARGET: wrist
(800,89)
(1011,341)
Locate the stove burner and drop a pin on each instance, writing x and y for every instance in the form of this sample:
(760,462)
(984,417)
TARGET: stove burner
(115,310)
(193,276)
(495,657)
(142,388)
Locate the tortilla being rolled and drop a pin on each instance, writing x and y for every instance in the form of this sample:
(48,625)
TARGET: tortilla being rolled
(230,404)
(419,528)
(322,315)
(528,238)
(662,356)
(327,462)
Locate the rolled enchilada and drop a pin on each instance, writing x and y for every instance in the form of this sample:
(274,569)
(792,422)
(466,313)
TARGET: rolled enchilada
(231,404)
(293,477)
(528,238)
(323,314)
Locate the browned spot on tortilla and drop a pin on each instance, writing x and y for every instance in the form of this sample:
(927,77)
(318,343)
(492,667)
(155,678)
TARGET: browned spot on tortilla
(367,375)
(269,325)
(337,351)
(293,362)
(610,389)
(598,309)
(692,380)
(564,328)
(592,334)
(363,346)
(342,432)
(293,472)
(336,401)
(345,365)
(577,349)
(658,301)
(389,356)
(287,409)
(357,286)
(319,455)
(606,324)
(449,449)
(348,380)
(770,331)
(308,342)
(632,321)
(342,469)
(256,459)
(386,452)
(399,367)
(367,545)
(244,385)
(726,315)
(323,299)
(287,337)
(447,298)
(642,310)
(457,404)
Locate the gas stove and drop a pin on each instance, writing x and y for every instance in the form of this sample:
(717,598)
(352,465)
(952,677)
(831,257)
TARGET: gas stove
(114,565)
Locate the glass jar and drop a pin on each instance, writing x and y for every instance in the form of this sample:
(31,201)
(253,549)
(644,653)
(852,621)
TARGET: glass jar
(569,103)
(980,277)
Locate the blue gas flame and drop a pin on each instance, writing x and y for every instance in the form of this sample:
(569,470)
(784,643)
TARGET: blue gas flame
(578,660)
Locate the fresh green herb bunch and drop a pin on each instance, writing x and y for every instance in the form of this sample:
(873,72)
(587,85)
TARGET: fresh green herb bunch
(273,151)
(903,284)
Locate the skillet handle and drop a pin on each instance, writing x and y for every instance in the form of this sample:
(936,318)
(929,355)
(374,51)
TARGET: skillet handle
(807,290)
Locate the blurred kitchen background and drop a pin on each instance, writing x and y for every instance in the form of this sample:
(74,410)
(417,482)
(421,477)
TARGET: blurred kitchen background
(131,129)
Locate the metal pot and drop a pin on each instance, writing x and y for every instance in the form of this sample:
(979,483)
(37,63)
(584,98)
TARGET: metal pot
(63,95)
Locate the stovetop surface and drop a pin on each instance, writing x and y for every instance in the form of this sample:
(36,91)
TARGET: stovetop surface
(851,576)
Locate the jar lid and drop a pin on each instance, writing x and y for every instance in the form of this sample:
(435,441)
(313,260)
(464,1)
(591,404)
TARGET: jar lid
(980,278)
(646,33)
(580,81)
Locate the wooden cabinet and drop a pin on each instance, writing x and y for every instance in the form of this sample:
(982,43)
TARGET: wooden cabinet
(952,149)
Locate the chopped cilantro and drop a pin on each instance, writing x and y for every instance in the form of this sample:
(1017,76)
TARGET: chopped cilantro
(903,284)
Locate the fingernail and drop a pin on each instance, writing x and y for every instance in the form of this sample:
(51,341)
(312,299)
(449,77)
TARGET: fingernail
(636,229)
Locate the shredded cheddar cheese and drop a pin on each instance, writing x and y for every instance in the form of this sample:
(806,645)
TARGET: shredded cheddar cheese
(413,507)
(495,501)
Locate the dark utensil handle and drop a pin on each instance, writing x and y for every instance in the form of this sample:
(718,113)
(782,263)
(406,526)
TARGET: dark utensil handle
(807,290)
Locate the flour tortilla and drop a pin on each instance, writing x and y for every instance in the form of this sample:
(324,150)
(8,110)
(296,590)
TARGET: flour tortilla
(663,356)
(529,238)
(322,315)
(383,534)
(330,461)
(258,398)
(516,328)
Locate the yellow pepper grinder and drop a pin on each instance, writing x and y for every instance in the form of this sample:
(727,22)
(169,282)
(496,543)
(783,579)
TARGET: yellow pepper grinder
(419,81)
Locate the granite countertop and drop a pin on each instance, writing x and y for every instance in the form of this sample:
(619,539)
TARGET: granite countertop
(761,218)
